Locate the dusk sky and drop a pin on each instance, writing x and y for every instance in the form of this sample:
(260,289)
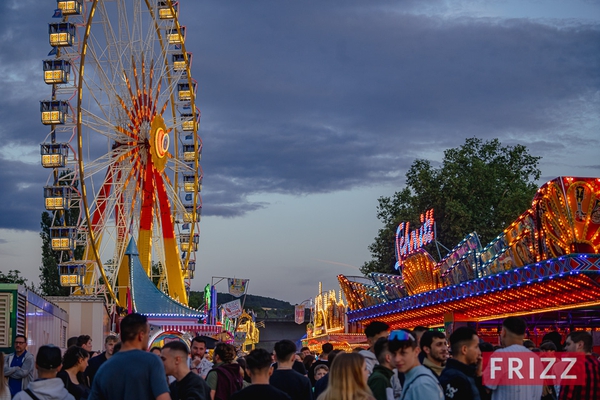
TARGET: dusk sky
(311,110)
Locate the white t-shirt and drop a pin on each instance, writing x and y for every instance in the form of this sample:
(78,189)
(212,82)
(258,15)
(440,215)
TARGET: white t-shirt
(515,392)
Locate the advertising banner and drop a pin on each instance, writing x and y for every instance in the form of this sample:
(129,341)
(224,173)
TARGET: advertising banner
(237,287)
(299,314)
(233,309)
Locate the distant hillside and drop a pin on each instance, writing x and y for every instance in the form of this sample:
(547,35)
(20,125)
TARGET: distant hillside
(264,307)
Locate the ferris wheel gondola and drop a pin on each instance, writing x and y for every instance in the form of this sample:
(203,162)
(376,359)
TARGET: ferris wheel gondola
(123,146)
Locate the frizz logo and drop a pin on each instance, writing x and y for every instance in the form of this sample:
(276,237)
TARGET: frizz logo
(528,368)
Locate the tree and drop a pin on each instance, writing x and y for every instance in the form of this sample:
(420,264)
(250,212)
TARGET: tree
(480,186)
(13,276)
(49,278)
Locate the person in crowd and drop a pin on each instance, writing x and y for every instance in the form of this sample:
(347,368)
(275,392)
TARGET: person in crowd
(74,364)
(199,364)
(347,379)
(225,377)
(459,377)
(305,352)
(156,350)
(308,361)
(258,365)
(47,386)
(4,390)
(95,362)
(132,373)
(420,382)
(380,379)
(18,366)
(373,332)
(418,331)
(244,368)
(85,342)
(548,391)
(72,341)
(326,348)
(117,347)
(298,365)
(284,378)
(512,335)
(554,337)
(321,371)
(322,383)
(485,394)
(581,342)
(434,345)
(529,344)
(187,385)
(548,347)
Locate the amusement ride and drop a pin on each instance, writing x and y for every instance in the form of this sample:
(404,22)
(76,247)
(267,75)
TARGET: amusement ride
(123,149)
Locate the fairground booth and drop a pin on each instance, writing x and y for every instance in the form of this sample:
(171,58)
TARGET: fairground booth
(545,267)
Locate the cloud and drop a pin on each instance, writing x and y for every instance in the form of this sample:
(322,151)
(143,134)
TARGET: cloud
(21,195)
(339,100)
(321,97)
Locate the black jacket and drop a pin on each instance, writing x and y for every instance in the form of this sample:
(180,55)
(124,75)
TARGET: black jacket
(458,381)
(191,387)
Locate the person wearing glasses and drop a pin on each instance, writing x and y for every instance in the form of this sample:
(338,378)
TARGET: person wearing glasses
(420,382)
(18,366)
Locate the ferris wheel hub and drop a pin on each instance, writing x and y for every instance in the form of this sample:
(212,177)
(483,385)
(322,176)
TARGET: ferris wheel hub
(159,142)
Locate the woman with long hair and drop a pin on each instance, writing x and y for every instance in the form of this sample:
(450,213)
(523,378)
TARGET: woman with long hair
(4,390)
(75,361)
(348,379)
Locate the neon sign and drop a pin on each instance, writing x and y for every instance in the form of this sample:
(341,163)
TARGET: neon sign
(408,241)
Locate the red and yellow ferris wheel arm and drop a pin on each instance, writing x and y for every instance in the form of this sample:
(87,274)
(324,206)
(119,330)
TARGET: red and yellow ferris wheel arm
(174,274)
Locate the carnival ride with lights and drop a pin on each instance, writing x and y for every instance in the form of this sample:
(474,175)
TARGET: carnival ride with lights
(123,152)
(328,323)
(545,262)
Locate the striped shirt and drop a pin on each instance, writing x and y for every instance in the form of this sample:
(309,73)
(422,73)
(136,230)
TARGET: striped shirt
(591,389)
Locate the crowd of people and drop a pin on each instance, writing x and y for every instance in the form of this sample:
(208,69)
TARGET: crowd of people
(418,364)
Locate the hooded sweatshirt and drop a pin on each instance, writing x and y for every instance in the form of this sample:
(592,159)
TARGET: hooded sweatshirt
(370,359)
(421,384)
(46,389)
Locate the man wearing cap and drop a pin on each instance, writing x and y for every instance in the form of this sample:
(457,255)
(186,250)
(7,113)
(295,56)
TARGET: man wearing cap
(47,386)
(18,366)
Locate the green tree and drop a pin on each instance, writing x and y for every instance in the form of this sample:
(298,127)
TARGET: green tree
(13,276)
(49,278)
(196,299)
(480,186)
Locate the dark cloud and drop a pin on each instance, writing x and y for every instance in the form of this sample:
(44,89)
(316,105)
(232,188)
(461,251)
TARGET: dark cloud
(21,195)
(315,97)
(330,99)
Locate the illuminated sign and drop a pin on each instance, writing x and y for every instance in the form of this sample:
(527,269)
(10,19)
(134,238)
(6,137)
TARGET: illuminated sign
(408,241)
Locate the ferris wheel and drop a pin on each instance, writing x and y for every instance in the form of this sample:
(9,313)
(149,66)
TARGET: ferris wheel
(123,147)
